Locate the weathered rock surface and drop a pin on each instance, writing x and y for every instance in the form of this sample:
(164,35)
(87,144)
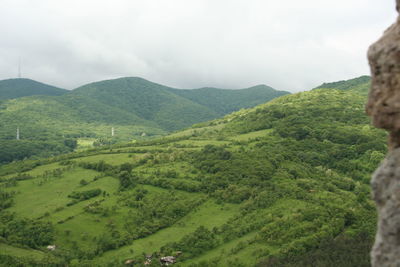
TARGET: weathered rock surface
(384,98)
(384,107)
(386,192)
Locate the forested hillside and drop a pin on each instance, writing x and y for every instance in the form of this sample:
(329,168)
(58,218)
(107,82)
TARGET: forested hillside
(147,100)
(54,122)
(15,88)
(283,184)
(171,108)
(360,85)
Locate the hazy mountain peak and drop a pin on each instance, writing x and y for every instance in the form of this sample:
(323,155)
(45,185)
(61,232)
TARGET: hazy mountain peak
(20,87)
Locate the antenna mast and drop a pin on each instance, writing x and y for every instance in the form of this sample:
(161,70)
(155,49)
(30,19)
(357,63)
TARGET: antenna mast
(19,68)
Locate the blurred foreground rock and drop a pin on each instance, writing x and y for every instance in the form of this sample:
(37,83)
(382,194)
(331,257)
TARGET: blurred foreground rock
(386,192)
(384,108)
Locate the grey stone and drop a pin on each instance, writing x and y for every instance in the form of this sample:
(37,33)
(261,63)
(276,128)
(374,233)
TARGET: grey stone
(384,108)
(386,192)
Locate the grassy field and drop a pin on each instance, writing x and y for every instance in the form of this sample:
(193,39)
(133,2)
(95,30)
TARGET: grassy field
(84,143)
(251,135)
(45,194)
(228,252)
(112,159)
(209,215)
(21,252)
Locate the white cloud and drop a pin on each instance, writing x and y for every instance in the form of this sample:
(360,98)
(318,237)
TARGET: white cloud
(289,44)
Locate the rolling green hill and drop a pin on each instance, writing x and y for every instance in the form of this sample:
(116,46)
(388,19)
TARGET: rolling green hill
(15,88)
(174,109)
(147,100)
(133,106)
(285,183)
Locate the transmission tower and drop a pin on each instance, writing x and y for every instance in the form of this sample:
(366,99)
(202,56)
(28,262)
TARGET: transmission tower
(19,68)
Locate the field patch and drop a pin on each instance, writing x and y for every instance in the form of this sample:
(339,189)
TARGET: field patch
(42,195)
(113,159)
(208,215)
(20,252)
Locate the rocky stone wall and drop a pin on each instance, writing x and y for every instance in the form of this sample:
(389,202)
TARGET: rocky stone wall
(384,108)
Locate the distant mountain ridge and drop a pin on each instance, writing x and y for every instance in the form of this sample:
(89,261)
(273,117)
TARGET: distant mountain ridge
(133,106)
(15,88)
(224,101)
(172,108)
(147,100)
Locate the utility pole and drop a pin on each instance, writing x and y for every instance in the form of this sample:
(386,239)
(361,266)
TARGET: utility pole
(112,131)
(17,133)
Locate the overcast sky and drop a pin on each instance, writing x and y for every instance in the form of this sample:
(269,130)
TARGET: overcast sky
(288,44)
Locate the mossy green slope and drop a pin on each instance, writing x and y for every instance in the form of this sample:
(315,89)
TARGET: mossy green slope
(283,184)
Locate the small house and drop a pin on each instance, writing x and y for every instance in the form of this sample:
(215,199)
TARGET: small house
(51,247)
(168,260)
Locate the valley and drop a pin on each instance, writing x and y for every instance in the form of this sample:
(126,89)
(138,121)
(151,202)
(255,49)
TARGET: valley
(284,183)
